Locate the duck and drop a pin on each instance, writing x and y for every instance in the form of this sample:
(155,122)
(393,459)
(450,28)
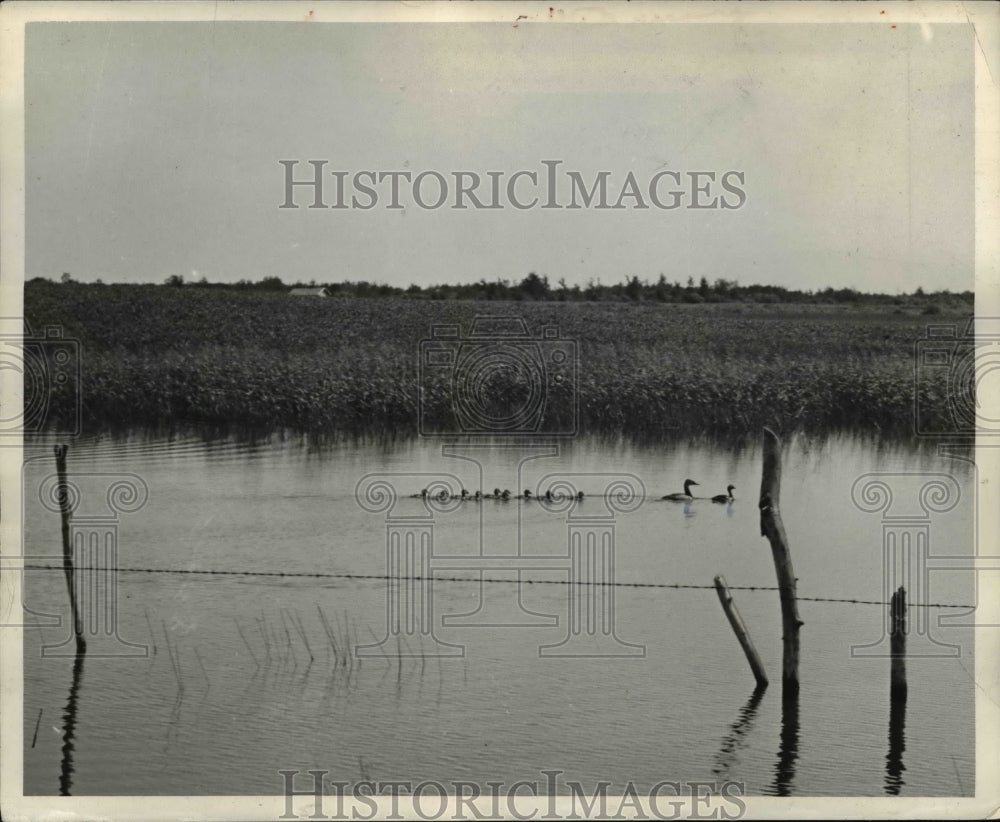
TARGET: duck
(506,494)
(686,496)
(727,497)
(579,494)
(526,495)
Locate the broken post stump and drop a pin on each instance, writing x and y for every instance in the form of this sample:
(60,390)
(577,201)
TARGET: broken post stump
(740,629)
(897,645)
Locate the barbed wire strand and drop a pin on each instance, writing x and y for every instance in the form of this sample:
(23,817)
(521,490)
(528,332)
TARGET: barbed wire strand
(479,579)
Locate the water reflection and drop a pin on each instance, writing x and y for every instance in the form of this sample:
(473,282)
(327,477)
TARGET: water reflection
(272,508)
(894,766)
(69,729)
(735,446)
(788,752)
(738,732)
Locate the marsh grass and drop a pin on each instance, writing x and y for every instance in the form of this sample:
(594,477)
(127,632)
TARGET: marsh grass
(155,357)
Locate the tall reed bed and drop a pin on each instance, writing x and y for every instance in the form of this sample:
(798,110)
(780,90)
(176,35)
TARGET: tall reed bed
(158,356)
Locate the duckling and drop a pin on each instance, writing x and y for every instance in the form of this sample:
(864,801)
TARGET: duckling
(526,494)
(506,494)
(727,497)
(686,496)
(579,494)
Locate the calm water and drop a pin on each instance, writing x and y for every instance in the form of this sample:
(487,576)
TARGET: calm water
(247,674)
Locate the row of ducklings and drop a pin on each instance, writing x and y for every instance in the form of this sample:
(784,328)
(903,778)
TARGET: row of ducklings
(498,494)
(684,496)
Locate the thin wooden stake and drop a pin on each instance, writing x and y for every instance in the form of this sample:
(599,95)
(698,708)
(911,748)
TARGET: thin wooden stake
(772,528)
(740,629)
(62,492)
(897,645)
(38,722)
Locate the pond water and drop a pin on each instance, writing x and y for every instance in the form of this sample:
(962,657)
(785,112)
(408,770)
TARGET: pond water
(504,665)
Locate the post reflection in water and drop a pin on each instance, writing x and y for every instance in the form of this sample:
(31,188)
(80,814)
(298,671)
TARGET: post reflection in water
(736,738)
(788,753)
(69,727)
(894,766)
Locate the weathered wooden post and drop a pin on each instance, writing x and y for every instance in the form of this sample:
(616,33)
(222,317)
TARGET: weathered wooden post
(894,766)
(65,513)
(740,629)
(897,645)
(772,528)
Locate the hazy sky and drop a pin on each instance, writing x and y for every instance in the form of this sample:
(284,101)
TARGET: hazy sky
(153,149)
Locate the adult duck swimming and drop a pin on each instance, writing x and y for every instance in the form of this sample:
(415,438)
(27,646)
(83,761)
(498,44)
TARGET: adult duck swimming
(727,497)
(683,497)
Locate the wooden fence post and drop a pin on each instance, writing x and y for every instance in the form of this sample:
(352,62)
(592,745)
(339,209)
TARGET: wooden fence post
(897,645)
(740,629)
(772,528)
(65,514)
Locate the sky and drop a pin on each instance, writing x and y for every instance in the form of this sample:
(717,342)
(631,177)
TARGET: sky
(154,149)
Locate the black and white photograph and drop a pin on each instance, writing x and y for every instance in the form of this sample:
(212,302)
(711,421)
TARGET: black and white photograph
(457,411)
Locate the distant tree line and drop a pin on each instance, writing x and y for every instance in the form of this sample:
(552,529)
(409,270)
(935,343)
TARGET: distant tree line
(632,289)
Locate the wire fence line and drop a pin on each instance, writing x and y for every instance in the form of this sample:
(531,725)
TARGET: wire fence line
(481,579)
